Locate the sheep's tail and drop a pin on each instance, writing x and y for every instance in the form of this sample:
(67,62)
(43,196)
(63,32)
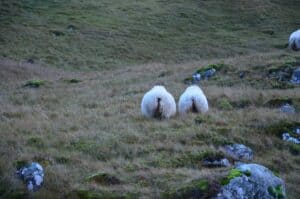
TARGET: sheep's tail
(200,104)
(158,111)
(194,106)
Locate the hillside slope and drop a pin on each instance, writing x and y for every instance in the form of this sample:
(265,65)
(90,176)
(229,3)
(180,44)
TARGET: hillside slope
(99,34)
(96,59)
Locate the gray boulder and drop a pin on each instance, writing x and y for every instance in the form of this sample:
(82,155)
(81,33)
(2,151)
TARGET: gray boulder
(287,108)
(256,181)
(239,152)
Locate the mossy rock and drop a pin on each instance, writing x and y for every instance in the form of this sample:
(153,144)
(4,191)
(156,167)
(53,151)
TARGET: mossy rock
(224,104)
(276,192)
(36,83)
(195,189)
(104,179)
(233,173)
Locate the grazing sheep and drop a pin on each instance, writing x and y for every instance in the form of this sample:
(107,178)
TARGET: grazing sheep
(193,99)
(158,103)
(294,40)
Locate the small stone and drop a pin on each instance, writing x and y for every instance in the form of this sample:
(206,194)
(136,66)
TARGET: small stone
(287,108)
(33,175)
(196,77)
(239,152)
(209,73)
(297,130)
(296,76)
(242,74)
(287,137)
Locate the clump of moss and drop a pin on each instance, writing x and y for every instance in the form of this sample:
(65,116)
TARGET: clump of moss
(104,179)
(34,83)
(232,174)
(195,189)
(276,192)
(218,67)
(224,104)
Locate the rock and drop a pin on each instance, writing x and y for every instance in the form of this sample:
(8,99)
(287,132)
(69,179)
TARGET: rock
(196,77)
(242,74)
(216,162)
(297,130)
(209,73)
(287,137)
(254,181)
(287,108)
(296,76)
(239,152)
(33,175)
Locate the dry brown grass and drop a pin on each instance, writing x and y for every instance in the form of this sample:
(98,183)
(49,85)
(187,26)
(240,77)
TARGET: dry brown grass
(75,130)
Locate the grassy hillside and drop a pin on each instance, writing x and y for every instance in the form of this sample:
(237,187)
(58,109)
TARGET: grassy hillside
(100,34)
(96,59)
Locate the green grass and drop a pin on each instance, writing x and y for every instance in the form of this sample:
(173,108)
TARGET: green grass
(96,60)
(94,34)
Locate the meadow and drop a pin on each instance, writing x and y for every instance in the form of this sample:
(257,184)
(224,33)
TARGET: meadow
(95,60)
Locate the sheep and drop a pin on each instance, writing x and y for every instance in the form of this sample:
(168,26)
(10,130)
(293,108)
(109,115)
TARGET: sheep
(294,41)
(158,103)
(193,99)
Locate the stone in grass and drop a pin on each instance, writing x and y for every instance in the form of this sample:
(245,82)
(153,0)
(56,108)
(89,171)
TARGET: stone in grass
(252,181)
(239,152)
(296,76)
(32,174)
(209,73)
(287,108)
(34,83)
(104,179)
(287,137)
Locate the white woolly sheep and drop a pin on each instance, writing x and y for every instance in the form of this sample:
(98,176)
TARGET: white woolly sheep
(158,103)
(294,40)
(193,99)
